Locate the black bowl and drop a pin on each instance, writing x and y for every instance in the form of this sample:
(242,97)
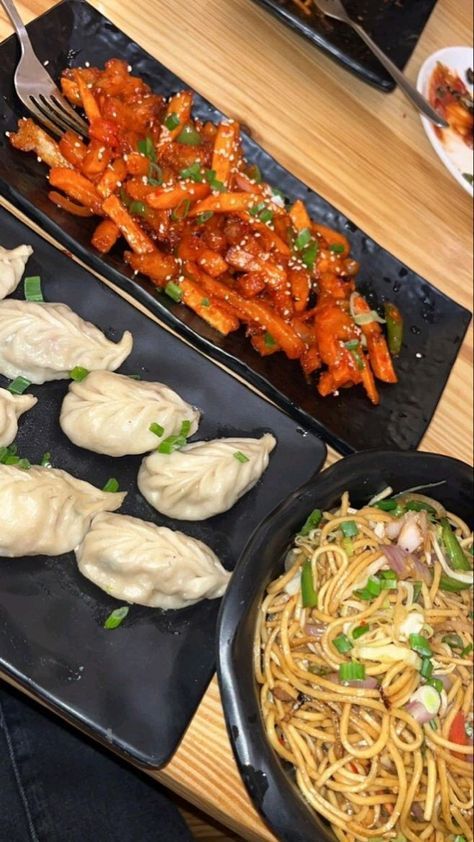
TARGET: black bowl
(268,780)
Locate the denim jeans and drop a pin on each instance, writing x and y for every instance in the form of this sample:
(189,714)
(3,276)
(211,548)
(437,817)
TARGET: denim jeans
(58,786)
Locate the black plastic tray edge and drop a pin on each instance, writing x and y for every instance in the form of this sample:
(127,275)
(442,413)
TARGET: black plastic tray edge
(227,633)
(381,83)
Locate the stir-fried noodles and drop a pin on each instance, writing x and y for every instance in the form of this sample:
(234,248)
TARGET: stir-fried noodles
(364,656)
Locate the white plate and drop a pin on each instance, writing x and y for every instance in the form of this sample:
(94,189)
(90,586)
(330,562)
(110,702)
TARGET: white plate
(452,150)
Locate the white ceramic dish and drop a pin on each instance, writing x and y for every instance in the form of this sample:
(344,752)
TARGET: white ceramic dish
(454,153)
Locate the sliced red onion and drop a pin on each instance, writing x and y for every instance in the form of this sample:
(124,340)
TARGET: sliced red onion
(418,711)
(315,629)
(395,556)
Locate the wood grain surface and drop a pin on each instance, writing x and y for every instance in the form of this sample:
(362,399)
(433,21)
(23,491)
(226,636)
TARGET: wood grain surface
(364,151)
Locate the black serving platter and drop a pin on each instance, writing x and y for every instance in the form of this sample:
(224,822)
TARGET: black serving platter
(269,781)
(395,27)
(435,325)
(137,687)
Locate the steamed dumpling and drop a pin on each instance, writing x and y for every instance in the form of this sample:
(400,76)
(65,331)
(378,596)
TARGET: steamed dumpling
(11,407)
(45,341)
(203,478)
(46,511)
(136,561)
(111,413)
(12,266)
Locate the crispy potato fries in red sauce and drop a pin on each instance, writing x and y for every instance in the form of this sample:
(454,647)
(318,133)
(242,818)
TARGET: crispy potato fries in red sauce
(203,226)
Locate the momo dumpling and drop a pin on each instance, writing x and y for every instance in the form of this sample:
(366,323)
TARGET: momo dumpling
(12,266)
(44,341)
(11,407)
(137,561)
(112,413)
(46,511)
(203,478)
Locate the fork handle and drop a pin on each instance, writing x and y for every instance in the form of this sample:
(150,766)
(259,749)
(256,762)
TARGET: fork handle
(17,23)
(417,99)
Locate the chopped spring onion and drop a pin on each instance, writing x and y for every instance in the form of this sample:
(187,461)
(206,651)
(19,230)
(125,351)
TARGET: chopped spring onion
(429,698)
(308,594)
(32,287)
(466,651)
(241,457)
(189,136)
(254,173)
(181,211)
(453,640)
(9,456)
(257,209)
(394,320)
(351,672)
(204,217)
(352,345)
(134,376)
(337,248)
(276,192)
(309,254)
(185,428)
(172,121)
(268,340)
(436,683)
(18,385)
(193,172)
(382,495)
(349,529)
(385,505)
(359,631)
(388,580)
(78,373)
(311,522)
(157,429)
(155,175)
(342,644)
(419,506)
(426,670)
(446,583)
(347,546)
(453,548)
(205,302)
(367,318)
(146,147)
(111,485)
(266,215)
(172,443)
(417,586)
(138,208)
(214,183)
(174,291)
(303,239)
(371,590)
(459,837)
(116,617)
(420,645)
(46,460)
(359,359)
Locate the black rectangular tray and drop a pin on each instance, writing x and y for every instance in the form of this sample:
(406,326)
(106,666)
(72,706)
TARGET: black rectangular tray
(394,26)
(435,325)
(134,688)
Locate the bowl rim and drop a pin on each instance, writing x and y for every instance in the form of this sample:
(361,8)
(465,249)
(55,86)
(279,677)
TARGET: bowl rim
(424,74)
(263,772)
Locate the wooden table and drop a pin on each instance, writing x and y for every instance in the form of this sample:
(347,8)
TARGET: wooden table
(364,151)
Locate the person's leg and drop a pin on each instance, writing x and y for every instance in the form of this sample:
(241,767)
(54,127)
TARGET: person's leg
(57,786)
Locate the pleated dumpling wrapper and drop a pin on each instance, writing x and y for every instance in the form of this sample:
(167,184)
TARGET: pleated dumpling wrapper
(12,266)
(204,478)
(45,341)
(117,415)
(137,561)
(46,511)
(11,407)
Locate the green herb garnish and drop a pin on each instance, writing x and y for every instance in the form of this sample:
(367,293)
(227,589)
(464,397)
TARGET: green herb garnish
(116,617)
(18,385)
(32,287)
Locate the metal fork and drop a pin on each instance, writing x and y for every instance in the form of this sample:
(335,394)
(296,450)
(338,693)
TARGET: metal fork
(335,9)
(36,89)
